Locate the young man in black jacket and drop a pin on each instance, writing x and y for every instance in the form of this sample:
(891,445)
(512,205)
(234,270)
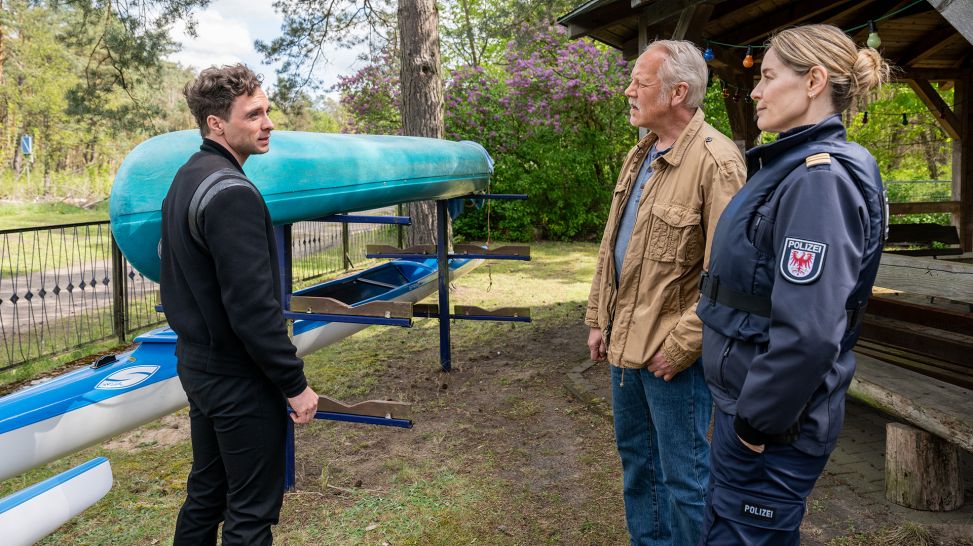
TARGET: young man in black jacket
(221,294)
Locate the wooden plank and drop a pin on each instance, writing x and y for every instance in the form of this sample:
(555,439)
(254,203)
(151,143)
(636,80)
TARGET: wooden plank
(926,315)
(789,15)
(958,14)
(691,22)
(925,252)
(902,356)
(922,233)
(963,162)
(941,344)
(937,106)
(933,405)
(960,379)
(929,74)
(919,207)
(927,45)
(661,10)
(387,409)
(926,277)
(331,306)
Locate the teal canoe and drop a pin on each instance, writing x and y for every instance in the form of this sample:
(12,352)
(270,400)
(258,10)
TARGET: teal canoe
(304,176)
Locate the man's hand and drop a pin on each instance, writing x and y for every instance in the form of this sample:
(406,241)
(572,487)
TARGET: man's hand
(596,344)
(752,447)
(304,405)
(661,367)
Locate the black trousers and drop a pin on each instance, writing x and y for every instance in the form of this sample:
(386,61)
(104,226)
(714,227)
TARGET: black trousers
(238,429)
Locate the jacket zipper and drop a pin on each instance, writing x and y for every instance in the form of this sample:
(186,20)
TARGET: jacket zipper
(756,228)
(726,353)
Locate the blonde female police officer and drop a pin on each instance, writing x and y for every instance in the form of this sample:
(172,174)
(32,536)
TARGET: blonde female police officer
(792,264)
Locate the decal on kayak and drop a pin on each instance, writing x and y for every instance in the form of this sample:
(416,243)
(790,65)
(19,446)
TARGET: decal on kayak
(126,377)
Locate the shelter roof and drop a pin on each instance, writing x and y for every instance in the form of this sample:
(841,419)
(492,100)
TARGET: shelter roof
(933,37)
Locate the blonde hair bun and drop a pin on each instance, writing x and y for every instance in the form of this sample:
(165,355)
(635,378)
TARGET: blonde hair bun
(852,72)
(869,72)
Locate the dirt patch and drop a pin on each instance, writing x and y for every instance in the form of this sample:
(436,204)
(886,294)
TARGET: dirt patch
(167,431)
(501,416)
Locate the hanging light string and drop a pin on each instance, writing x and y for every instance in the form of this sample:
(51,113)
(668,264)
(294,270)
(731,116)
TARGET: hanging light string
(873,41)
(903,116)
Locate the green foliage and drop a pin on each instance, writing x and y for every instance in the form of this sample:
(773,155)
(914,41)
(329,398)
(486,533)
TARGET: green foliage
(918,149)
(87,84)
(556,121)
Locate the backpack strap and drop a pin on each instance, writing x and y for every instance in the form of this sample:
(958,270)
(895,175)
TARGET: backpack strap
(206,191)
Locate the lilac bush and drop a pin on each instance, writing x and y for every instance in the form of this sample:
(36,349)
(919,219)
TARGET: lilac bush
(552,115)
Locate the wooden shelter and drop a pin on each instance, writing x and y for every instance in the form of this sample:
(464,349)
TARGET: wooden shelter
(920,317)
(930,41)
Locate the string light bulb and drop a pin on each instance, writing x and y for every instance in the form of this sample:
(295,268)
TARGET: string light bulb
(726,93)
(865,118)
(708,54)
(748,60)
(874,40)
(905,119)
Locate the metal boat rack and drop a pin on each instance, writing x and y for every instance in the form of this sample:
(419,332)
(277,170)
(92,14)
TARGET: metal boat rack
(394,313)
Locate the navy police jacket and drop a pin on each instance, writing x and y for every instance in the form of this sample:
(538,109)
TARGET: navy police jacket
(792,264)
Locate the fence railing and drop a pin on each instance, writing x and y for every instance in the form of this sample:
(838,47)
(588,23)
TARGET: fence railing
(68,285)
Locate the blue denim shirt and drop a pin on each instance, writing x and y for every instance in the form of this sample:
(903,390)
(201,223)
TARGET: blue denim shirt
(627,223)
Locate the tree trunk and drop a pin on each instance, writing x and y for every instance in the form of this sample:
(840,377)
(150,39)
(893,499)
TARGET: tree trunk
(921,470)
(422,94)
(3,58)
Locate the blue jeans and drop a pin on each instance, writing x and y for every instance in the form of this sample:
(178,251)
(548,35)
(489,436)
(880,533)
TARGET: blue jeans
(660,430)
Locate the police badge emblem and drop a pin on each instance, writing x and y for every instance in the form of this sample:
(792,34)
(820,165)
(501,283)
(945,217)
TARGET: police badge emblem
(801,260)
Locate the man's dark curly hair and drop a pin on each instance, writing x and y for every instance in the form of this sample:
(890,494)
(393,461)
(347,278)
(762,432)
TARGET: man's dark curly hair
(213,92)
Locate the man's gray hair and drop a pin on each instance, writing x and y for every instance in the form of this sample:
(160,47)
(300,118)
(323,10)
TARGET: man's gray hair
(683,63)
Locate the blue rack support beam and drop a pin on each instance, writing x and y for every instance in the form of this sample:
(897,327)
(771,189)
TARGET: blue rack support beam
(290,471)
(442,217)
(497,196)
(506,252)
(366,219)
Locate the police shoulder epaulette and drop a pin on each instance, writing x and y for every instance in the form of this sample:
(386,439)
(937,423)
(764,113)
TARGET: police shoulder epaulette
(823,158)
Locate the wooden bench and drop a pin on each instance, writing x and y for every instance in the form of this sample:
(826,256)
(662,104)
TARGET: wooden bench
(921,471)
(923,235)
(922,464)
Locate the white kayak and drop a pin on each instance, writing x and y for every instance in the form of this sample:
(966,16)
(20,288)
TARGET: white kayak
(37,511)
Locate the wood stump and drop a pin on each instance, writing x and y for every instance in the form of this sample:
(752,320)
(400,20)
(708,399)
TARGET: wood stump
(921,470)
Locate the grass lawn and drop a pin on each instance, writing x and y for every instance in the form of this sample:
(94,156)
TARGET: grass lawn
(22,215)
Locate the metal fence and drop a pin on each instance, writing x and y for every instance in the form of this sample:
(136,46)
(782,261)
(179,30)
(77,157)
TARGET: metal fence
(68,285)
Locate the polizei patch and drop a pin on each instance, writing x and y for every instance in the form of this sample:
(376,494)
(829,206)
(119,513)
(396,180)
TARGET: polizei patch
(756,511)
(801,260)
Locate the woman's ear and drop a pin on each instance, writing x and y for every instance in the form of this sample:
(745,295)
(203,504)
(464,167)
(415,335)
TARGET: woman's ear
(817,81)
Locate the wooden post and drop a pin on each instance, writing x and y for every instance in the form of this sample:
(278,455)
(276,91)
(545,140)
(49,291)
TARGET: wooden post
(119,291)
(345,247)
(963,161)
(921,470)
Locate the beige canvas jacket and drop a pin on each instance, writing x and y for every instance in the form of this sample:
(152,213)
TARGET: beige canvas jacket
(654,304)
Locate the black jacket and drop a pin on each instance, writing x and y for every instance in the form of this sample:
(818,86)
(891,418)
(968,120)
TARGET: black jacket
(223,301)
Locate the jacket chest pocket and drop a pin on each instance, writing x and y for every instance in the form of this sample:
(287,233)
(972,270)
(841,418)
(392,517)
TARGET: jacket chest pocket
(675,234)
(761,230)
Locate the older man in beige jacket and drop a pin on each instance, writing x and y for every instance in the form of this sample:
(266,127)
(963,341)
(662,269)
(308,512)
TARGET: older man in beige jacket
(671,191)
